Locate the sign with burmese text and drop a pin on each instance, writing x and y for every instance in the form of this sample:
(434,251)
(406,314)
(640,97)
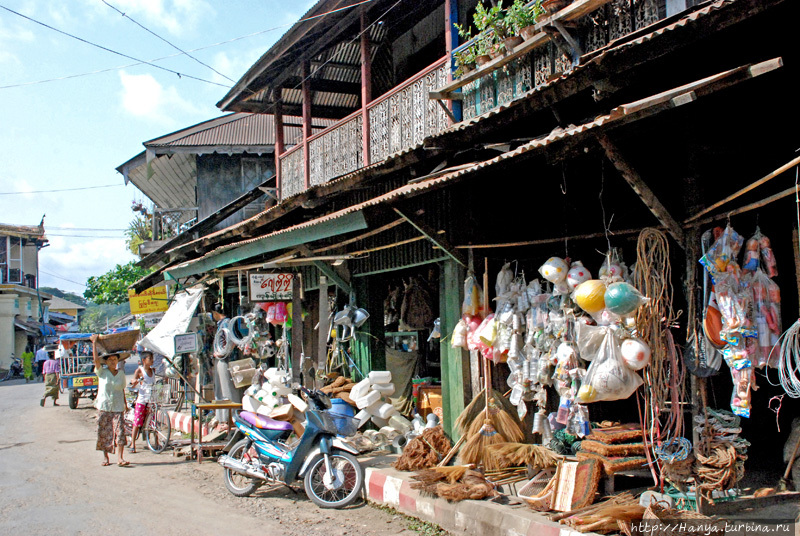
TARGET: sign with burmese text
(152,300)
(270,287)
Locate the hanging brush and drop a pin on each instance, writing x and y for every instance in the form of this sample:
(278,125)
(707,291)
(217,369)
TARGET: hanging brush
(475,447)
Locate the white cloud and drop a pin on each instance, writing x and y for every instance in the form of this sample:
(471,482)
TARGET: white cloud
(178,17)
(144,97)
(10,36)
(75,259)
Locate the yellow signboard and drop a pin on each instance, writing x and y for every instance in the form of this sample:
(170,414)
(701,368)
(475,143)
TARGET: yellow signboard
(152,300)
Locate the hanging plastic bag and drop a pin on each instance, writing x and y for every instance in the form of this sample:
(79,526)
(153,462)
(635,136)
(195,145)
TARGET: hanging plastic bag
(623,298)
(504,278)
(740,398)
(613,268)
(608,378)
(487,331)
(577,274)
(459,337)
(277,313)
(770,264)
(734,305)
(752,251)
(721,256)
(473,297)
(767,312)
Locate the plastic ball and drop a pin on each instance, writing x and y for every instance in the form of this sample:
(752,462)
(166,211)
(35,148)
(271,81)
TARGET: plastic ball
(564,352)
(554,270)
(577,274)
(611,270)
(589,296)
(587,393)
(622,298)
(635,353)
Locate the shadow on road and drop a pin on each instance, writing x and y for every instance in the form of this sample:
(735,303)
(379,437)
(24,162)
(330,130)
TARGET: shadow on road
(4,447)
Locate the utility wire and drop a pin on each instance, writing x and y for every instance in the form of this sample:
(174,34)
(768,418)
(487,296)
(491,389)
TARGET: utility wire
(61,190)
(166,41)
(84,229)
(109,69)
(85,236)
(101,47)
(64,278)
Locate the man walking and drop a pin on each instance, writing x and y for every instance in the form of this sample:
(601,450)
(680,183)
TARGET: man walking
(41,357)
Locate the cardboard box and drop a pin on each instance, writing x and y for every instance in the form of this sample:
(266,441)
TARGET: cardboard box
(429,398)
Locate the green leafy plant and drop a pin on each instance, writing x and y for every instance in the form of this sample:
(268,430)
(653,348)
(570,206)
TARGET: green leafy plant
(465,60)
(112,287)
(493,18)
(520,15)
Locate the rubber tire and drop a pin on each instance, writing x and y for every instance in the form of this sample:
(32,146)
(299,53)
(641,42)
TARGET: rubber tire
(237,452)
(164,429)
(74,395)
(320,460)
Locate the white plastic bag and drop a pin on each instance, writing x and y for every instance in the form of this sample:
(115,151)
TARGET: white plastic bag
(608,378)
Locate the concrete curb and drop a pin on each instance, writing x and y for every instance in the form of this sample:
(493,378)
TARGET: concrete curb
(389,487)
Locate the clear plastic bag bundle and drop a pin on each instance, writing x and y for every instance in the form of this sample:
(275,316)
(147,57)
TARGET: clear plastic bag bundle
(473,297)
(767,316)
(607,378)
(721,256)
(734,301)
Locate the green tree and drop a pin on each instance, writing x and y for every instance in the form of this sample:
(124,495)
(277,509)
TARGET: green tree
(139,230)
(112,287)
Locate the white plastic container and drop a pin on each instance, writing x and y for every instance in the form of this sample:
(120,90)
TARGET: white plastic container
(400,423)
(380,376)
(282,390)
(298,403)
(385,411)
(367,400)
(261,395)
(362,417)
(374,408)
(389,432)
(380,423)
(360,389)
(250,404)
(385,389)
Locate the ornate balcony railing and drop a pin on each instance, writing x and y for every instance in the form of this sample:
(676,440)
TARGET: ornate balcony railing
(397,120)
(610,20)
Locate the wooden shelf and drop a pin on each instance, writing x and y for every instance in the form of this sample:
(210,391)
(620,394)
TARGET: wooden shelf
(570,13)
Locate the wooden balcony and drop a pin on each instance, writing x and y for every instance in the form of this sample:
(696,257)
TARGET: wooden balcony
(396,121)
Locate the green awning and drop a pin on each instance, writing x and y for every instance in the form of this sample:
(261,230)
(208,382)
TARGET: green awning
(294,236)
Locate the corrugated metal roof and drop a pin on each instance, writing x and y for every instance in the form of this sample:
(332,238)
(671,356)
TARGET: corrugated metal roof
(31,231)
(238,129)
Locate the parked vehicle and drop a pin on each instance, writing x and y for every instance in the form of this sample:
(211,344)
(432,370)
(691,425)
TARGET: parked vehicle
(14,370)
(77,372)
(331,474)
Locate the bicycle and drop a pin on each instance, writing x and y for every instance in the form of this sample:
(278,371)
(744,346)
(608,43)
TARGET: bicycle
(157,429)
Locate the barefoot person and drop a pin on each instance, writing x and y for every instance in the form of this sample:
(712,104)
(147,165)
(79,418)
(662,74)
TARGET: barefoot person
(110,404)
(143,379)
(50,371)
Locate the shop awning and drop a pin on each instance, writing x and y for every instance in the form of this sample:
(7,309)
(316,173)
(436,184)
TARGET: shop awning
(303,233)
(35,328)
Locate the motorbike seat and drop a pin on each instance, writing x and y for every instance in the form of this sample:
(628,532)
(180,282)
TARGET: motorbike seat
(263,422)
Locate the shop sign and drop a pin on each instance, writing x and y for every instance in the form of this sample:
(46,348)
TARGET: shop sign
(186,343)
(152,300)
(270,287)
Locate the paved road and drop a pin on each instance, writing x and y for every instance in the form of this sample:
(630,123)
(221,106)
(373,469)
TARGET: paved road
(51,483)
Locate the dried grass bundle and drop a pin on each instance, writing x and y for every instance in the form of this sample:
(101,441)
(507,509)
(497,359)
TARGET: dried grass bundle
(470,414)
(607,519)
(424,451)
(504,455)
(472,485)
(437,474)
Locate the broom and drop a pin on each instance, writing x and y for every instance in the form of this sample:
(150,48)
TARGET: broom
(475,447)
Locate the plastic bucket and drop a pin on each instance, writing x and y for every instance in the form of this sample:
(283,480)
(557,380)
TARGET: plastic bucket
(340,406)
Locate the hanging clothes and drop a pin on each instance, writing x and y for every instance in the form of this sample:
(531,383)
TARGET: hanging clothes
(416,311)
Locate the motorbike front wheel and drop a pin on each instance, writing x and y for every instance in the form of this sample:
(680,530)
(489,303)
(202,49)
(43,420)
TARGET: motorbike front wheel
(341,488)
(238,484)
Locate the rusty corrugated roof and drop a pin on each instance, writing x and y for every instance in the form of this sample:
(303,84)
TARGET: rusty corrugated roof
(24,231)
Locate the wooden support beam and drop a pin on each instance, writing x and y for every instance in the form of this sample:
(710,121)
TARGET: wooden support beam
(366,86)
(306,124)
(322,84)
(641,188)
(454,361)
(324,328)
(434,237)
(341,277)
(373,232)
(280,146)
(297,329)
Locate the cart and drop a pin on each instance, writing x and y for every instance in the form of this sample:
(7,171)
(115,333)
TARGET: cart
(77,371)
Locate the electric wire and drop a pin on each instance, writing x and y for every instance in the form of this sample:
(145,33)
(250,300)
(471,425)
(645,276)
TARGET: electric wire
(62,189)
(213,45)
(60,277)
(101,47)
(166,41)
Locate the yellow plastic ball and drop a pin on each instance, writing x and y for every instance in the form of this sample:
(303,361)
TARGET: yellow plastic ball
(587,393)
(589,296)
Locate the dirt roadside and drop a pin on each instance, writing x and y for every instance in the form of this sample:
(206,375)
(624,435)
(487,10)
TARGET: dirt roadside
(51,482)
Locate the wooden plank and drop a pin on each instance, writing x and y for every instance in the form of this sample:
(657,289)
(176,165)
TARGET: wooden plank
(747,208)
(434,237)
(454,361)
(379,230)
(641,188)
(324,328)
(297,330)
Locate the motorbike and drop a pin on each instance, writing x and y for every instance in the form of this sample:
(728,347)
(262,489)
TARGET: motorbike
(258,454)
(14,370)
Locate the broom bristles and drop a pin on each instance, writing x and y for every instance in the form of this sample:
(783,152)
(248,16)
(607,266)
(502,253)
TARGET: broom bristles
(452,473)
(470,413)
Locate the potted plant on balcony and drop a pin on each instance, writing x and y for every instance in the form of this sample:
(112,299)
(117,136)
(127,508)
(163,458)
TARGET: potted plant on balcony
(521,18)
(479,49)
(465,61)
(491,22)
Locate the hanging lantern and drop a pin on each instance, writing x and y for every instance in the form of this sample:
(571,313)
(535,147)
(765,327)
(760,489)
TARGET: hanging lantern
(623,298)
(635,353)
(589,296)
(554,270)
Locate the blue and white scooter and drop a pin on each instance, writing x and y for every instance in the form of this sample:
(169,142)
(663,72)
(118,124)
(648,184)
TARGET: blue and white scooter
(331,474)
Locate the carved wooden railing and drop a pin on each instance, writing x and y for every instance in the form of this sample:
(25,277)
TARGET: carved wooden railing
(293,174)
(398,120)
(592,24)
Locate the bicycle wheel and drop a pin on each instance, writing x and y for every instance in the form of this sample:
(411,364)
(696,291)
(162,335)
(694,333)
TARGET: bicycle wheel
(158,431)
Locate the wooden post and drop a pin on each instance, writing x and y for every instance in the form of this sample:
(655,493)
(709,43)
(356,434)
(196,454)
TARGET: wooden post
(450,43)
(306,90)
(366,85)
(368,350)
(297,330)
(692,256)
(324,328)
(454,361)
(279,141)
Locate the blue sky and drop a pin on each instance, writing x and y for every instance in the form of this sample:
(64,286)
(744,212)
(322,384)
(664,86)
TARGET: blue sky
(74,132)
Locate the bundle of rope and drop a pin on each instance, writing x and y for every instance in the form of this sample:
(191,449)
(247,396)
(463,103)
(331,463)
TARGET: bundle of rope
(664,391)
(789,360)
(720,456)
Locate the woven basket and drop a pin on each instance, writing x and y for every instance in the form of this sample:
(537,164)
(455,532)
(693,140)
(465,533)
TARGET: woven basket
(117,342)
(537,484)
